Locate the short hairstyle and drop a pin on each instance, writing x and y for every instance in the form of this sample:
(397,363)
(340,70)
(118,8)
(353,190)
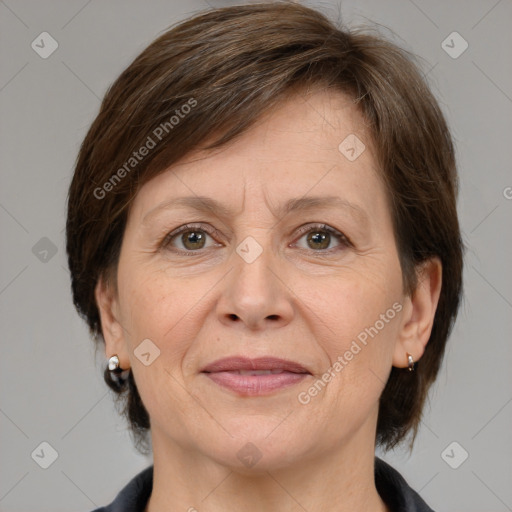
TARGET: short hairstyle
(218,73)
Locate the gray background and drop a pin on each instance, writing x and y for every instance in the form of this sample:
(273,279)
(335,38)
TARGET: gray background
(51,381)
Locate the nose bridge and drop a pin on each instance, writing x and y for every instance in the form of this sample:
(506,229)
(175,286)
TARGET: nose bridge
(254,295)
(253,262)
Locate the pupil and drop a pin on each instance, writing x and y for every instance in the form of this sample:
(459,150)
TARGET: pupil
(320,238)
(193,238)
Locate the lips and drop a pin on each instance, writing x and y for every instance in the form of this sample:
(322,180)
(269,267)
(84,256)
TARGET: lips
(246,366)
(254,377)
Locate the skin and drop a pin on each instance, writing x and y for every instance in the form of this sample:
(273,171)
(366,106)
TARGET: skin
(295,301)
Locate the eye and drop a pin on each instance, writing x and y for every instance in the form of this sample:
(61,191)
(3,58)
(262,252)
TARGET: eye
(319,238)
(189,238)
(193,238)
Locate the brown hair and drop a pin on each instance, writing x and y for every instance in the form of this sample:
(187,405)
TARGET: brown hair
(229,66)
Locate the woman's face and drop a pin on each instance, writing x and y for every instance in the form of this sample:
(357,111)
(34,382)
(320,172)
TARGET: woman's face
(298,262)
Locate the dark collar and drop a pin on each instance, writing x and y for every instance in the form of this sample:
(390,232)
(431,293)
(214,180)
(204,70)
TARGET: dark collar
(394,490)
(391,486)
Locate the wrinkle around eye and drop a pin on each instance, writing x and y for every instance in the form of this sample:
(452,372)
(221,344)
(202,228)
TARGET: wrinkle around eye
(165,236)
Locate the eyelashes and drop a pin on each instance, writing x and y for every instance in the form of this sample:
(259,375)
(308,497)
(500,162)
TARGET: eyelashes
(194,238)
(197,230)
(316,229)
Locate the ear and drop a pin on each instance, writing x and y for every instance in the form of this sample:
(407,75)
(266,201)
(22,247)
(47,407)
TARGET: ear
(112,329)
(418,316)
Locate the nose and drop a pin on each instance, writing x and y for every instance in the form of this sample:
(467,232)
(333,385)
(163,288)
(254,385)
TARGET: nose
(255,294)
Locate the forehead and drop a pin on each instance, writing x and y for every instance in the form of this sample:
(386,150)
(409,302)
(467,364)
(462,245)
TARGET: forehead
(295,150)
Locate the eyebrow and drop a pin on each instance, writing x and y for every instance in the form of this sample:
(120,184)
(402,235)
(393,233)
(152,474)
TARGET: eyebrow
(209,205)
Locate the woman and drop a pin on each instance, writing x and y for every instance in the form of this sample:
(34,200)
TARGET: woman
(262,230)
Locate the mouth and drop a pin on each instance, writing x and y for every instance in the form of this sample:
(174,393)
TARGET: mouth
(254,372)
(255,377)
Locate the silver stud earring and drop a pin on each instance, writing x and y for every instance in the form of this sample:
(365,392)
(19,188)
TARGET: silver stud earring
(117,374)
(113,363)
(410,362)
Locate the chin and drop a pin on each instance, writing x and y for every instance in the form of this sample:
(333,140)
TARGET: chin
(258,448)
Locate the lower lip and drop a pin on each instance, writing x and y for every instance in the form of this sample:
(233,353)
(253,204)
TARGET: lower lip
(255,385)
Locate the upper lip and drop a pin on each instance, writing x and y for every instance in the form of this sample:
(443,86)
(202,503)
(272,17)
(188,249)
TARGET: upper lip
(260,363)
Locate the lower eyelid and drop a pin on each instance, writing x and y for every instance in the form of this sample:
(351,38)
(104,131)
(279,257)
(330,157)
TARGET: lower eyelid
(343,244)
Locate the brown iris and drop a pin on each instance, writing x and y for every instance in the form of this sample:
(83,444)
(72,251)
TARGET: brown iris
(319,237)
(195,238)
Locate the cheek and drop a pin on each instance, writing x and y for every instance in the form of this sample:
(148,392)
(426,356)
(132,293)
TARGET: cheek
(356,348)
(151,305)
(351,302)
(168,310)
(356,322)
(156,309)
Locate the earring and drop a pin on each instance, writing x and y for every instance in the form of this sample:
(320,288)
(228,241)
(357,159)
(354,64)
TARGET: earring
(113,363)
(410,361)
(117,374)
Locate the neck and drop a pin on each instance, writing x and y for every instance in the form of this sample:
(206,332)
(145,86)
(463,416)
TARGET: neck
(342,480)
